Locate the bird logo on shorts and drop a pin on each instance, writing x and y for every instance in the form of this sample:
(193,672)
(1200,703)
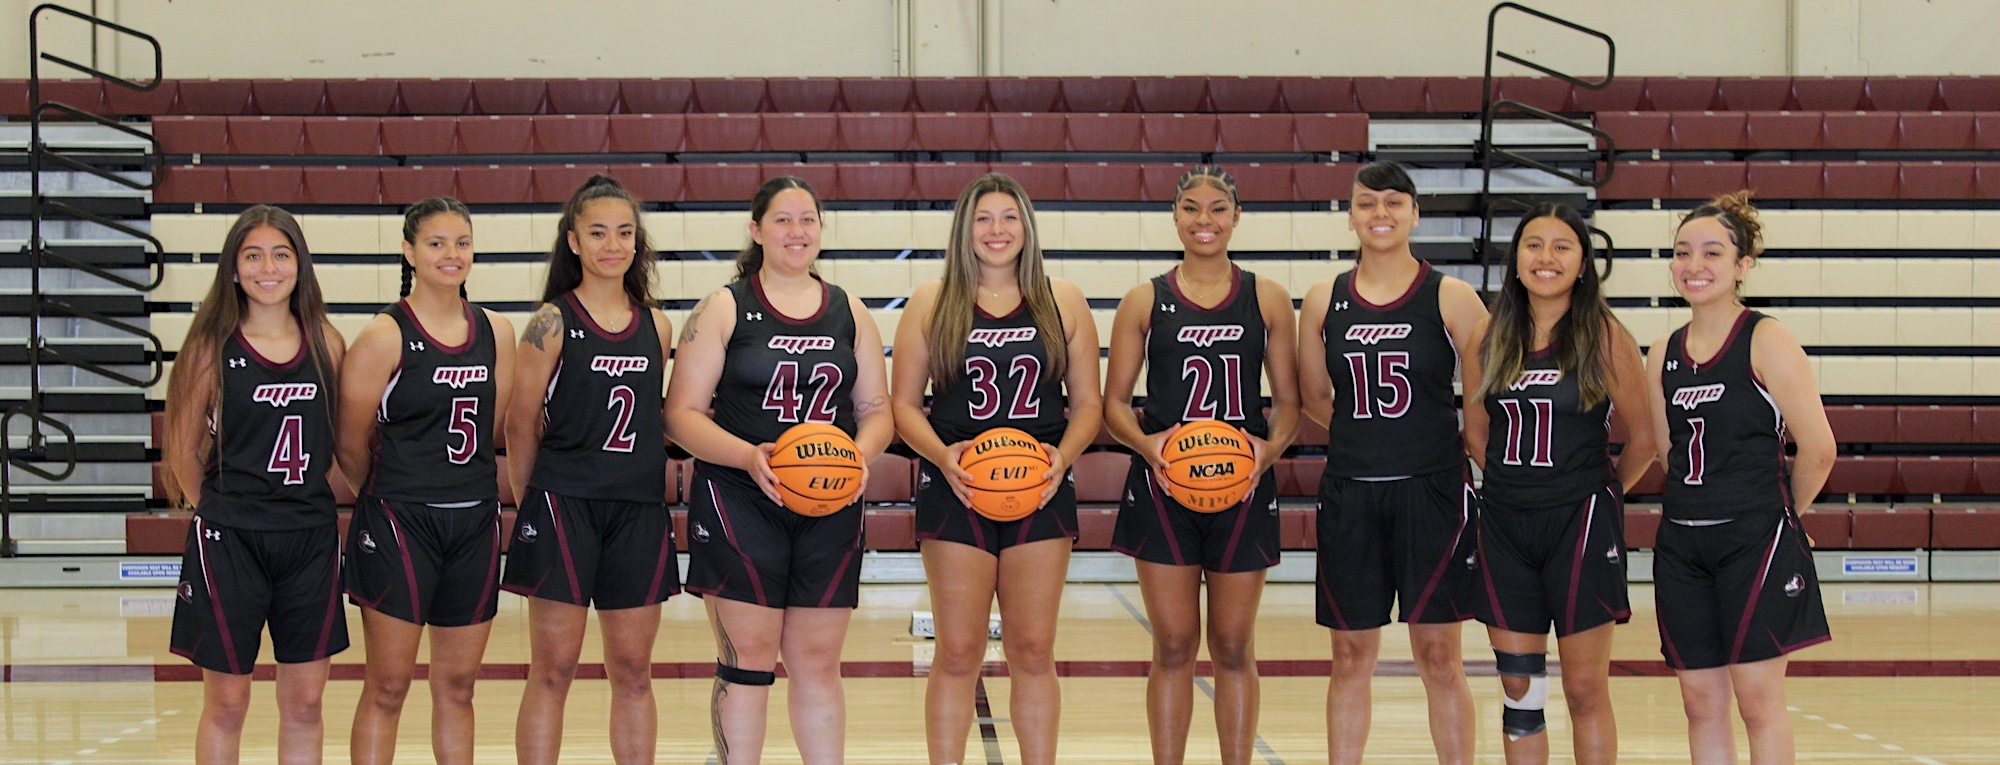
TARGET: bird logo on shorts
(923,480)
(700,533)
(187,592)
(367,543)
(1611,555)
(1472,560)
(528,533)
(1794,586)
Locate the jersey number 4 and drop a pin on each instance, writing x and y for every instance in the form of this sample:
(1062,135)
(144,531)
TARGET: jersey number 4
(985,376)
(288,455)
(782,395)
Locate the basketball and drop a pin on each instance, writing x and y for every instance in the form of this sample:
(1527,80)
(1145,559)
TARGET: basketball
(818,467)
(1209,466)
(1007,468)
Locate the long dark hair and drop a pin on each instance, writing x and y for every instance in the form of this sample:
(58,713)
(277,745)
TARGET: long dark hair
(751,259)
(566,267)
(958,295)
(1578,340)
(221,314)
(413,219)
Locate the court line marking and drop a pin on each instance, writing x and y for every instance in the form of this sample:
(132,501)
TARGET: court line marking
(989,734)
(1862,736)
(1262,747)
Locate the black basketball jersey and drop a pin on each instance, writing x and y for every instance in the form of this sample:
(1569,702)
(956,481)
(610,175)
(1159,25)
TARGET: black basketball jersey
(1005,383)
(604,437)
(1543,450)
(1727,451)
(1205,364)
(434,424)
(273,428)
(1394,410)
(781,371)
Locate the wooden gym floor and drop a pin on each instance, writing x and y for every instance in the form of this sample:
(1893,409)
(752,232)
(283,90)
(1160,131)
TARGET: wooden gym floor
(1911,677)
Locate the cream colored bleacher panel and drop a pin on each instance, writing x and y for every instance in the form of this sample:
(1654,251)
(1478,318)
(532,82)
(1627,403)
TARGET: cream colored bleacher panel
(1103,318)
(1933,326)
(1857,375)
(1648,325)
(1637,229)
(1306,273)
(931,230)
(1936,229)
(1158,234)
(1644,278)
(886,321)
(1986,229)
(542,231)
(505,283)
(667,280)
(716,231)
(1797,230)
(1262,233)
(349,324)
(1933,376)
(1105,278)
(1934,277)
(677,322)
(1986,376)
(869,279)
(171,328)
(1052,226)
(184,283)
(701,278)
(1857,277)
(159,390)
(1858,326)
(191,233)
(1322,231)
(1771,277)
(866,230)
(349,235)
(1986,276)
(1857,229)
(663,230)
(1986,327)
(520,321)
(1103,231)
(497,233)
(1803,322)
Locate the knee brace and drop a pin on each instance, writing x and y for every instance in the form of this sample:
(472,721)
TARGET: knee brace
(1524,717)
(738,676)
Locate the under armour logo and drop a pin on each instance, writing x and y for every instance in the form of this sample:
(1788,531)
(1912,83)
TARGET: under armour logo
(417,345)
(1673,365)
(1340,306)
(753,315)
(576,334)
(238,363)
(211,534)
(1168,307)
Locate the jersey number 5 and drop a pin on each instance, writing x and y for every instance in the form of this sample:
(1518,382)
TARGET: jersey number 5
(462,411)
(288,455)
(782,395)
(1389,367)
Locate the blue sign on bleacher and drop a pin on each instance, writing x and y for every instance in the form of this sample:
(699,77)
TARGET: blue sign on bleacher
(1879,564)
(149,571)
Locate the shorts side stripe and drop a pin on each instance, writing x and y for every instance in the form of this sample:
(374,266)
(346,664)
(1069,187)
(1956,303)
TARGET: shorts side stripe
(492,563)
(1451,550)
(749,566)
(332,606)
(409,566)
(1576,566)
(214,598)
(1236,531)
(1756,590)
(833,583)
(562,541)
(1492,590)
(660,564)
(1166,524)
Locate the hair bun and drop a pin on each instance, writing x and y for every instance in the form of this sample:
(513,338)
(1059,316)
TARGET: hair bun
(1738,204)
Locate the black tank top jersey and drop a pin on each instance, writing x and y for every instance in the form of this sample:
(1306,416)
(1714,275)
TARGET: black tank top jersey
(782,371)
(604,437)
(273,444)
(1205,364)
(1394,410)
(1005,383)
(434,425)
(1543,450)
(1727,453)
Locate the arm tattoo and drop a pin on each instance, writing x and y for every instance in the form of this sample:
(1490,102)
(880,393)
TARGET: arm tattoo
(694,317)
(867,406)
(546,320)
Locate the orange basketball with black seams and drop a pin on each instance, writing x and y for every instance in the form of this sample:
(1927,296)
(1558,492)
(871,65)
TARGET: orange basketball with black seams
(818,468)
(1006,466)
(1210,466)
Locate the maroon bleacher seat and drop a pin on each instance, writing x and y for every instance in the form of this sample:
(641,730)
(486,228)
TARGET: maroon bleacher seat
(1785,180)
(1100,476)
(265,185)
(1935,130)
(87,95)
(1936,474)
(1546,93)
(824,177)
(1783,130)
(656,95)
(1642,526)
(1682,94)
(118,101)
(1623,94)
(889,529)
(1317,94)
(1102,132)
(1986,425)
(1702,180)
(192,135)
(406,136)
(496,134)
(802,94)
(1937,180)
(1028,132)
(582,95)
(1638,130)
(723,182)
(952,131)
(680,521)
(646,133)
(1094,526)
(266,135)
(342,185)
(1325,132)
(438,95)
(497,184)
(1298,528)
(1986,472)
(1965,528)
(1986,180)
(1244,94)
(215,97)
(728,94)
(1453,94)
(1179,132)
(1323,181)
(1862,475)
(407,185)
(1858,424)
(360,98)
(649,182)
(949,94)
(556,183)
(1097,94)
(192,184)
(342,136)
(1171,94)
(1298,477)
(1042,180)
(1255,132)
(874,131)
(716,132)
(1653,482)
(150,534)
(1380,95)
(1104,182)
(1024,94)
(1891,528)
(571,133)
(1986,130)
(1637,180)
(1830,527)
(1829,94)
(945,180)
(1310,433)
(1860,130)
(509,95)
(1934,424)
(876,181)
(1970,93)
(1161,183)
(1753,94)
(891,478)
(798,131)
(1862,180)
(1261,182)
(1709,130)
(1903,94)
(875,94)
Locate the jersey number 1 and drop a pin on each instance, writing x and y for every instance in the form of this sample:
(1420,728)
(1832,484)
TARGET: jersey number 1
(1205,379)
(1389,374)
(1545,410)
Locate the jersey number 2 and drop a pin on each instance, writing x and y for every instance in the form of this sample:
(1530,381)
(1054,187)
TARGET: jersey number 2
(782,395)
(1205,379)
(985,384)
(288,455)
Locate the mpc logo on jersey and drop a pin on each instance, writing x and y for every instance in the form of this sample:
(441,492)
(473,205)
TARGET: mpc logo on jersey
(281,395)
(994,338)
(458,377)
(1689,398)
(1534,377)
(1370,334)
(796,344)
(617,366)
(1205,335)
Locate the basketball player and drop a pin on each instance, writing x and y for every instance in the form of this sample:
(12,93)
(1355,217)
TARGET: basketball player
(1203,331)
(420,391)
(588,461)
(249,444)
(1395,516)
(1029,350)
(1732,569)
(776,347)
(1554,365)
